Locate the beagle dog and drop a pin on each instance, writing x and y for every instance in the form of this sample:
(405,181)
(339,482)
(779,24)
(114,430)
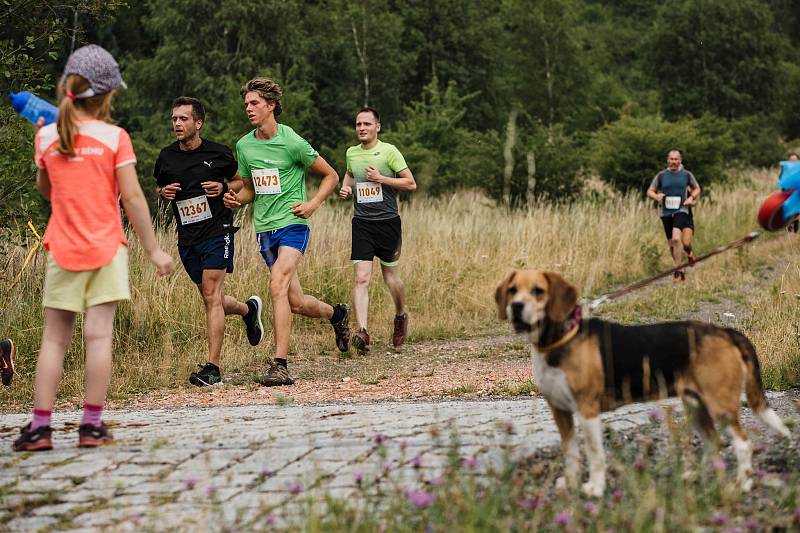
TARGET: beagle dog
(587,366)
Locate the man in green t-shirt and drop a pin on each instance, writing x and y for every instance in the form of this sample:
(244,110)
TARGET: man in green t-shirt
(273,160)
(375,172)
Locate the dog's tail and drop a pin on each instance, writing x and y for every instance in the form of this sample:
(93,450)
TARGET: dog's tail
(754,388)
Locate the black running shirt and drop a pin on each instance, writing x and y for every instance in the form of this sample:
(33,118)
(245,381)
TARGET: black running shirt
(197,217)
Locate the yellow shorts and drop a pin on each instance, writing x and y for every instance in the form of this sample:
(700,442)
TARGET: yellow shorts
(77,290)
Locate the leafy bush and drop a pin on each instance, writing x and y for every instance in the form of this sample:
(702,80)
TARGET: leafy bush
(629,152)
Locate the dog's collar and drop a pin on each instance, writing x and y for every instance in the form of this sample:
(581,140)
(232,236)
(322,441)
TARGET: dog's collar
(575,324)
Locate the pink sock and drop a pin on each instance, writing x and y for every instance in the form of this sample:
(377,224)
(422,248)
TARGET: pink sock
(91,414)
(40,418)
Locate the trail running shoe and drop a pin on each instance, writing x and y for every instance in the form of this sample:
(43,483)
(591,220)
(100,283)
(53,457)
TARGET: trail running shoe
(90,436)
(255,329)
(208,375)
(400,330)
(37,440)
(276,375)
(7,361)
(342,328)
(678,276)
(361,341)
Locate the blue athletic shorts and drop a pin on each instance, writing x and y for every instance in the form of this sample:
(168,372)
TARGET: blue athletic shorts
(215,253)
(293,235)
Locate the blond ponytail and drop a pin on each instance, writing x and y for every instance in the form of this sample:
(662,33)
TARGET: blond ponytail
(98,107)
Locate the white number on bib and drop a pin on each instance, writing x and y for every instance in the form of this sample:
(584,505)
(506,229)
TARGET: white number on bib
(193,210)
(368,192)
(672,202)
(266,181)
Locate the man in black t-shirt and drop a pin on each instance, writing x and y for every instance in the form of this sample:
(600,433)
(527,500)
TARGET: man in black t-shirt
(191,173)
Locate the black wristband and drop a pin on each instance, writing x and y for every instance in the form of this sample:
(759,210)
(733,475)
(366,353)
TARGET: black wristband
(225,187)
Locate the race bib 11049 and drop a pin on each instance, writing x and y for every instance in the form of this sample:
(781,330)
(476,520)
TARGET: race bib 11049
(193,210)
(672,202)
(368,192)
(266,181)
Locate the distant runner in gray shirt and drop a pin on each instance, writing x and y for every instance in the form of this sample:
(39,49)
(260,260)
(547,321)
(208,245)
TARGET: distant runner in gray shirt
(677,190)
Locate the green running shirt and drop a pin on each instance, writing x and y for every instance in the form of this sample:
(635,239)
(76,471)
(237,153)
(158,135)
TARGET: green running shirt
(277,168)
(372,201)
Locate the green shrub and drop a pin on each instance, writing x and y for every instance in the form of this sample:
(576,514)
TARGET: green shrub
(628,153)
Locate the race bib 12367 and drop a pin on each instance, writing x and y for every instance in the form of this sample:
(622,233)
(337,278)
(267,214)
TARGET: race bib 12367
(193,210)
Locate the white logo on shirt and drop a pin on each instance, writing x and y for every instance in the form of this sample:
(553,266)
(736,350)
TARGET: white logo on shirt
(208,163)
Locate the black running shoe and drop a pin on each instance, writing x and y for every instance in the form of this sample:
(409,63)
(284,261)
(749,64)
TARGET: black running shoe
(342,328)
(90,436)
(208,375)
(37,440)
(7,361)
(275,376)
(255,329)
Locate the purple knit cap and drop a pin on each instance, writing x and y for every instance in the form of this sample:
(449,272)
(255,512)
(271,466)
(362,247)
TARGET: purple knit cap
(96,65)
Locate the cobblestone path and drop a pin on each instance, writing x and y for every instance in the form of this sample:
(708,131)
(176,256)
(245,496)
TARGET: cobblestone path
(204,469)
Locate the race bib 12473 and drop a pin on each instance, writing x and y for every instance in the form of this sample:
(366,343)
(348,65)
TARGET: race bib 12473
(266,181)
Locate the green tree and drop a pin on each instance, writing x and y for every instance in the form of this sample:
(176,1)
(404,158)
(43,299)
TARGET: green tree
(715,56)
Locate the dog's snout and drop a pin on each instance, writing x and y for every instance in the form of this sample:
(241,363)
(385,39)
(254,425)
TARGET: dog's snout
(516,309)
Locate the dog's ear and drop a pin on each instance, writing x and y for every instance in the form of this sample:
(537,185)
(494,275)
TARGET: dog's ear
(501,295)
(561,297)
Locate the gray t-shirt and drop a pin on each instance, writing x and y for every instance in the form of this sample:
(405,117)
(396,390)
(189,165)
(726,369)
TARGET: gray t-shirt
(674,185)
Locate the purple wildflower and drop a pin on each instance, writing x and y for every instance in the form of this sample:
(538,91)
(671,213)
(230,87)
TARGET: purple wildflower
(211,491)
(719,464)
(189,483)
(531,503)
(359,477)
(379,439)
(562,518)
(438,481)
(266,472)
(752,524)
(416,462)
(271,519)
(618,494)
(135,519)
(419,498)
(296,488)
(655,413)
(403,445)
(590,508)
(469,462)
(719,518)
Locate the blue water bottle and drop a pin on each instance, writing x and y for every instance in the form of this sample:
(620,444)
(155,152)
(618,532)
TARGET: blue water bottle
(32,107)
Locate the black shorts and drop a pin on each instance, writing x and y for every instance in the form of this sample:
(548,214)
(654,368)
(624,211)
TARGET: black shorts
(215,253)
(679,220)
(381,238)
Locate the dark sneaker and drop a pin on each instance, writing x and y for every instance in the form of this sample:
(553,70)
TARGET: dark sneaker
(208,375)
(7,361)
(400,330)
(361,341)
(678,276)
(276,375)
(37,440)
(90,436)
(691,258)
(342,328)
(255,329)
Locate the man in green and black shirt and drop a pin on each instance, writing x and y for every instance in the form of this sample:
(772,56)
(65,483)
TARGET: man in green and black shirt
(376,171)
(273,160)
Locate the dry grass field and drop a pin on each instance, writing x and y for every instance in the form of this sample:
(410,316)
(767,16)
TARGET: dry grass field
(455,250)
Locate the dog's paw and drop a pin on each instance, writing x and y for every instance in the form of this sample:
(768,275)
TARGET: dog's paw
(595,490)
